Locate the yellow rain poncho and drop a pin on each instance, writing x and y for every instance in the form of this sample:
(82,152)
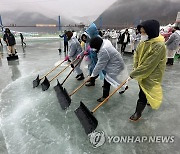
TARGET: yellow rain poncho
(149,67)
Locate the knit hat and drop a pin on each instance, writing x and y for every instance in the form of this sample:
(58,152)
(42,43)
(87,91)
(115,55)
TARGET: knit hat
(96,43)
(69,34)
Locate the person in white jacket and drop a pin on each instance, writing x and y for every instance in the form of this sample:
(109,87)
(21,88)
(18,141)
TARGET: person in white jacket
(74,50)
(114,38)
(172,45)
(109,60)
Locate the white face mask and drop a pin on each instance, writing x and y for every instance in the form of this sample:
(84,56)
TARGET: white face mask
(94,49)
(144,37)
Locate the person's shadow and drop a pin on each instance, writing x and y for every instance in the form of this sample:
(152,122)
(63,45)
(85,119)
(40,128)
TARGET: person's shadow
(13,65)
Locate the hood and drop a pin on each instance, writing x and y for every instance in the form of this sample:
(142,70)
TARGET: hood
(96,43)
(71,39)
(106,44)
(151,28)
(160,38)
(69,34)
(88,37)
(178,32)
(92,31)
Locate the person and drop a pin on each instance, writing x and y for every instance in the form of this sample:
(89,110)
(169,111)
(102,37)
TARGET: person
(91,58)
(125,39)
(100,33)
(65,41)
(109,60)
(149,67)
(107,34)
(10,41)
(137,39)
(114,38)
(74,33)
(167,34)
(22,39)
(74,50)
(91,55)
(172,45)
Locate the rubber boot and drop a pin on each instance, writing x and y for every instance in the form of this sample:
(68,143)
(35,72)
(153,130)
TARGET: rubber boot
(92,81)
(105,95)
(81,77)
(139,109)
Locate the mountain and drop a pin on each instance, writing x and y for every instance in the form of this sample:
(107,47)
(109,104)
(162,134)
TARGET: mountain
(85,19)
(124,13)
(20,18)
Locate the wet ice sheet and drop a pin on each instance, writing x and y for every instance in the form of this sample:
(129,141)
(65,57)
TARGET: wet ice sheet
(32,121)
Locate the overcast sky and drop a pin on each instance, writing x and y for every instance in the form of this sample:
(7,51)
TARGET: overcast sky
(67,8)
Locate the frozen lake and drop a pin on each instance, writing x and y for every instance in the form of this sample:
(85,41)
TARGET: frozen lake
(32,121)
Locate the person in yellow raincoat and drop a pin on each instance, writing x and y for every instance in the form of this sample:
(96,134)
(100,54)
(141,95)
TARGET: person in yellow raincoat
(149,67)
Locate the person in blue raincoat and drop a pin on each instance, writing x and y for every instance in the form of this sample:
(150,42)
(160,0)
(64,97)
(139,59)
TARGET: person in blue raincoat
(90,32)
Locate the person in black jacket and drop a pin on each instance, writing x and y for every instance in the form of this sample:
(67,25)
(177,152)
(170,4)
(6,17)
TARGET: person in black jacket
(125,39)
(65,41)
(10,41)
(22,39)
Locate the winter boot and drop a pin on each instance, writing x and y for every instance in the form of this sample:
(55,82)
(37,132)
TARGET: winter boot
(139,109)
(81,77)
(105,95)
(123,91)
(91,83)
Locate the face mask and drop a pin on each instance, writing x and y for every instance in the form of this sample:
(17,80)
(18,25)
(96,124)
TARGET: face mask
(144,37)
(93,49)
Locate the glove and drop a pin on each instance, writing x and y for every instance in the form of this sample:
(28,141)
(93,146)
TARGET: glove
(72,65)
(88,48)
(66,58)
(129,78)
(79,56)
(91,79)
(85,53)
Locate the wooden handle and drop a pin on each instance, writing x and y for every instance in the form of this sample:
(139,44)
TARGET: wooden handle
(52,70)
(72,71)
(79,87)
(98,106)
(63,70)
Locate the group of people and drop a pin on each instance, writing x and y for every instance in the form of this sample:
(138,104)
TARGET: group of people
(105,60)
(10,41)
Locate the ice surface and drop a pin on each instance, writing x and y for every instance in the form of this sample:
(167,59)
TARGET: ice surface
(32,121)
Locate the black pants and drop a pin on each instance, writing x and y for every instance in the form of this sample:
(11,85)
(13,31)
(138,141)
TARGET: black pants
(170,61)
(123,47)
(65,46)
(22,42)
(106,88)
(142,97)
